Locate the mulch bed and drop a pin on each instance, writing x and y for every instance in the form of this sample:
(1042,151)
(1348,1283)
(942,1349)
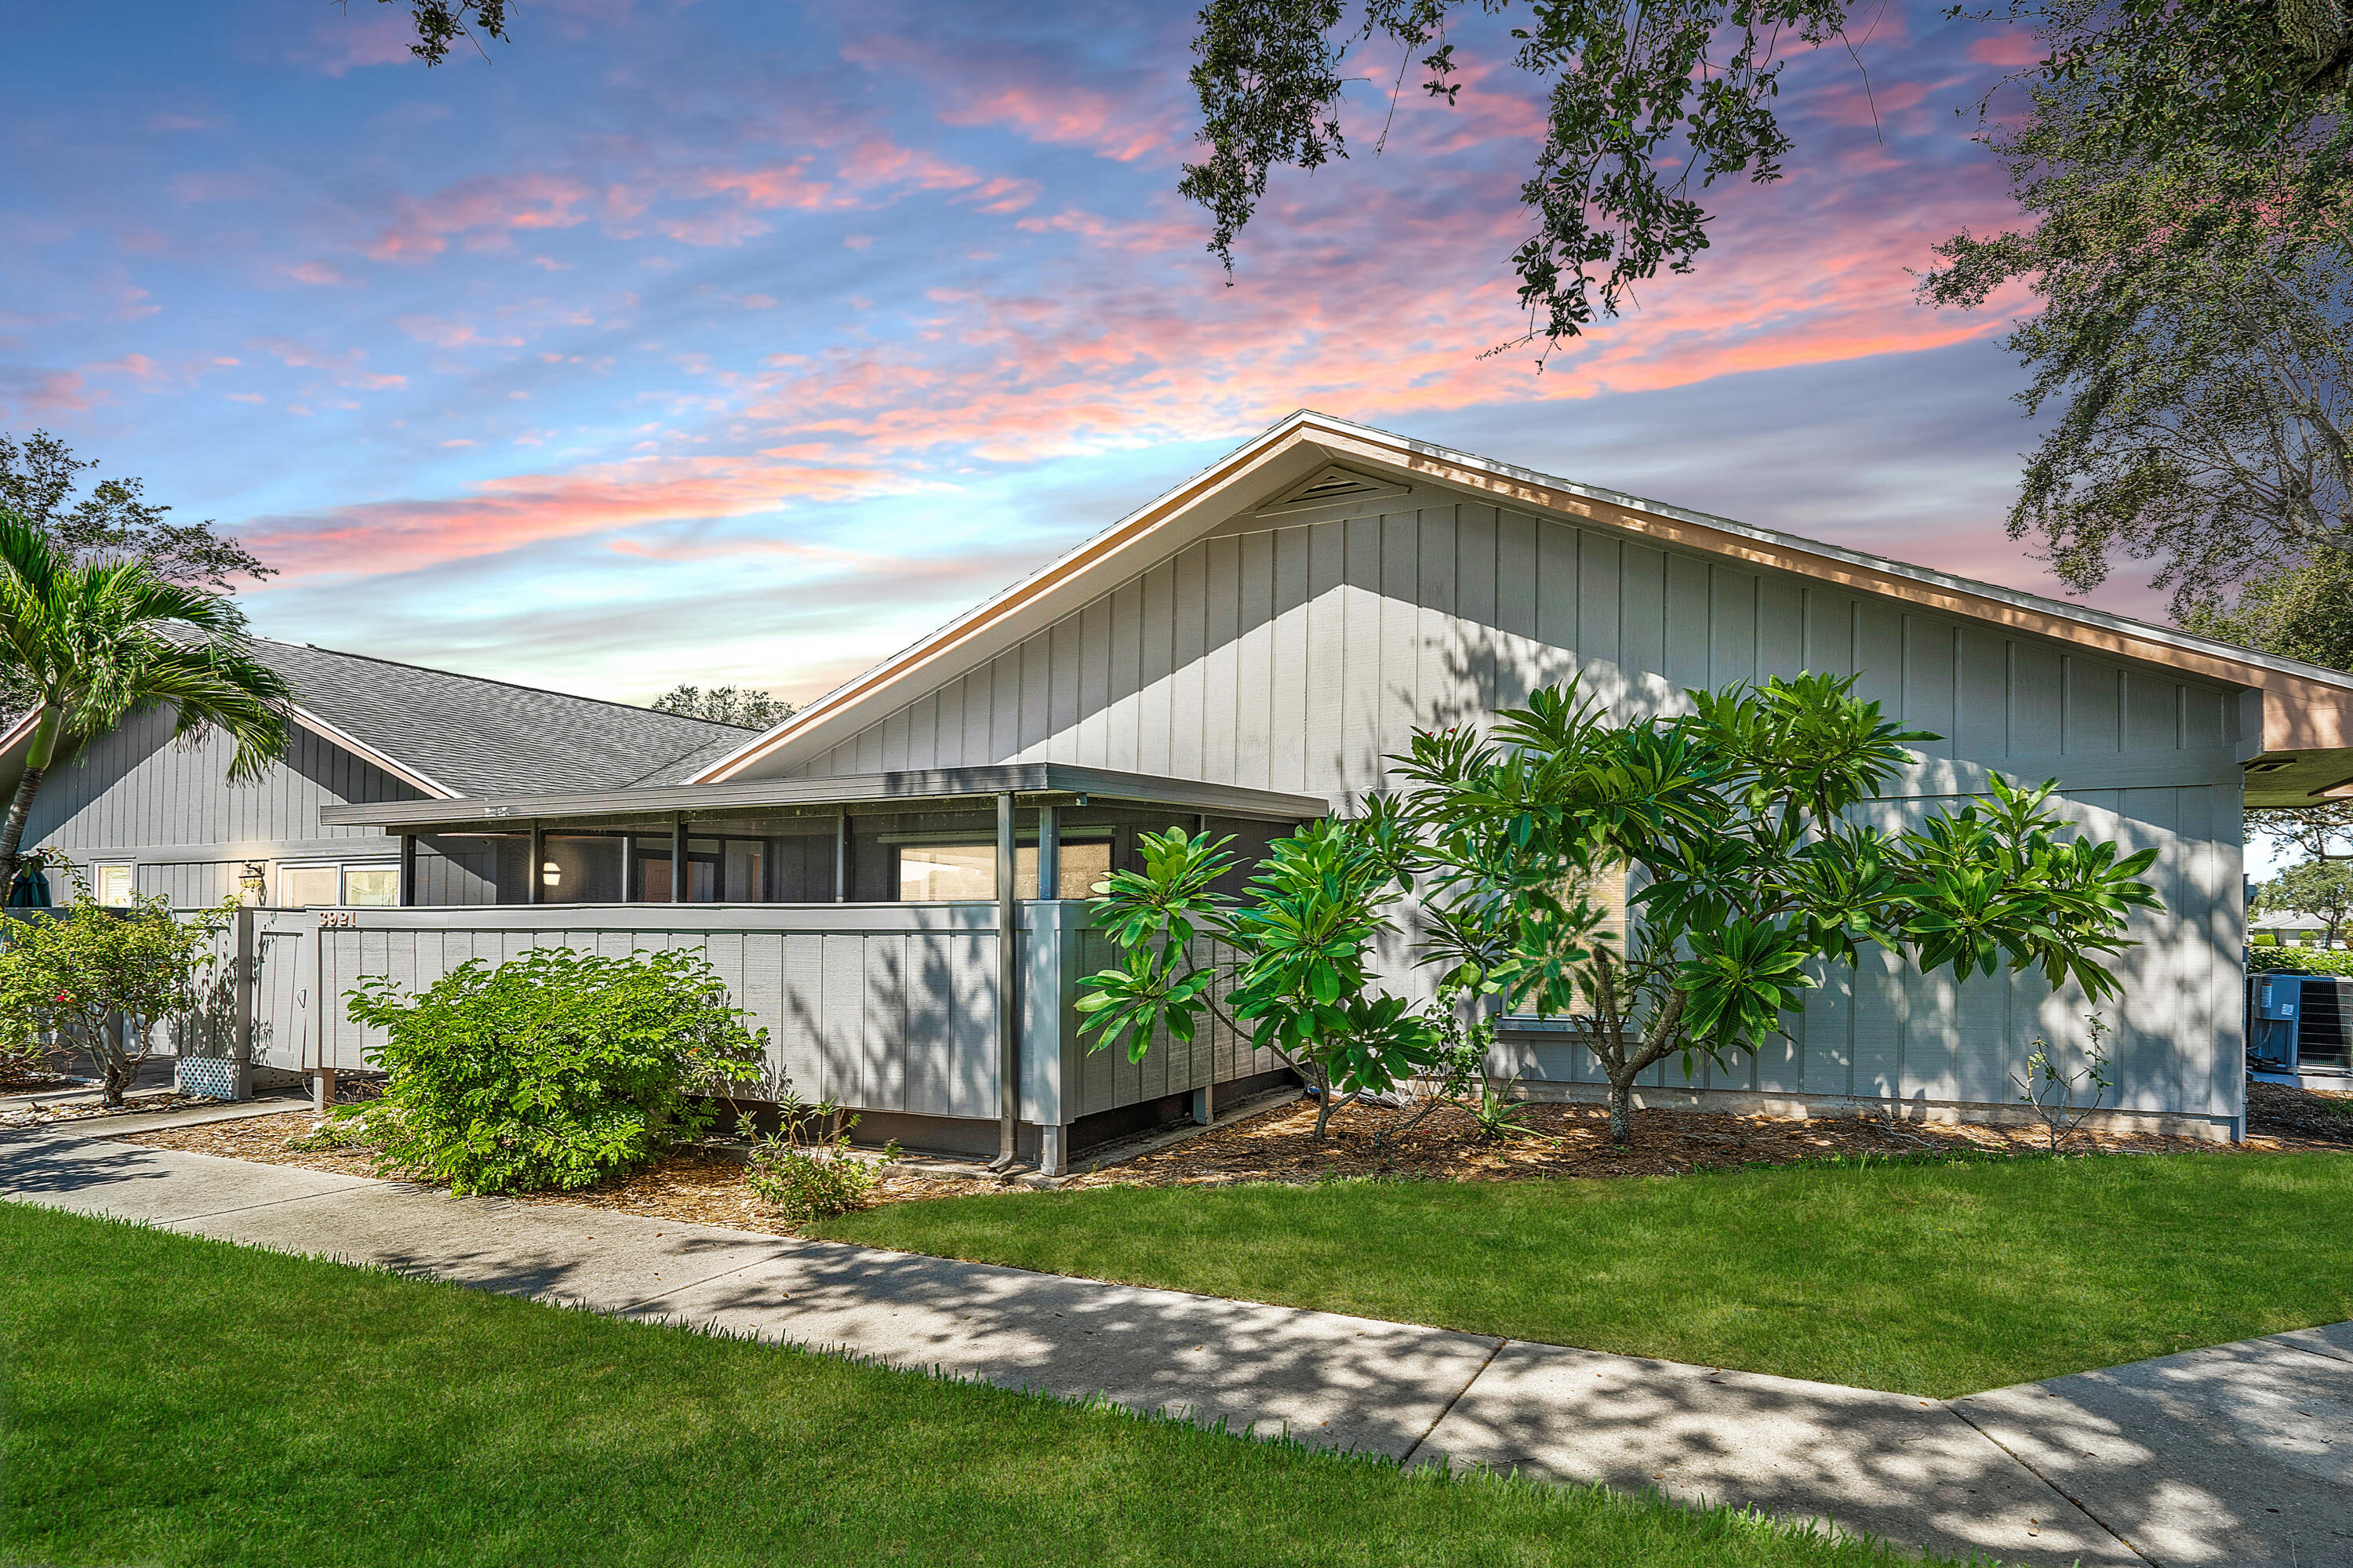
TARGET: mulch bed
(1278,1145)
(2304,1118)
(1574,1141)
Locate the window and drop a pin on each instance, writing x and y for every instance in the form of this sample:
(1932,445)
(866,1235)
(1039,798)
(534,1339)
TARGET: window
(299,886)
(113,884)
(932,874)
(371,886)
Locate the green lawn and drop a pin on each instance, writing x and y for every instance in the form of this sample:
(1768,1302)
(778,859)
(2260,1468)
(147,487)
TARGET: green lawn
(171,1400)
(1938,1279)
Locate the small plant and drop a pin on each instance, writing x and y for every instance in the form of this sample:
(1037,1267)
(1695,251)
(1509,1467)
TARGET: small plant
(806,1170)
(556,1069)
(1498,1115)
(2051,1092)
(1460,1068)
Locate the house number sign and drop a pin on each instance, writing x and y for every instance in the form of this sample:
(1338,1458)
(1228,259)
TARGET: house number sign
(337,920)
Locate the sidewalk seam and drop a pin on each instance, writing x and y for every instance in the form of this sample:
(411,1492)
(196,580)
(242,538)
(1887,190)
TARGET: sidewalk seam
(640,1304)
(248,1208)
(2024,1463)
(2327,1355)
(1435,1421)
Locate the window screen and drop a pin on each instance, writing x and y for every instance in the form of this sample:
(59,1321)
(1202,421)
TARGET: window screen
(300,886)
(930,873)
(371,886)
(114,884)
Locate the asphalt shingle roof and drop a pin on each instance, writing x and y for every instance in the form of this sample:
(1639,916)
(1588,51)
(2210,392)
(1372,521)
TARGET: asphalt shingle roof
(489,738)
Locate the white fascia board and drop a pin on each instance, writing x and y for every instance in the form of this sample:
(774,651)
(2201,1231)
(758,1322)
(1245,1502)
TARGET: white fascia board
(413,778)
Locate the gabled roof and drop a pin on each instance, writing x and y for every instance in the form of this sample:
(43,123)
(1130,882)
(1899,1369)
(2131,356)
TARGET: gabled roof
(469,735)
(452,735)
(2307,709)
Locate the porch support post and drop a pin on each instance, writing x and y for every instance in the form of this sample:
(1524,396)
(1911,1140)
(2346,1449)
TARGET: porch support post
(1008,1009)
(1049,852)
(407,870)
(538,864)
(678,858)
(841,857)
(241,1039)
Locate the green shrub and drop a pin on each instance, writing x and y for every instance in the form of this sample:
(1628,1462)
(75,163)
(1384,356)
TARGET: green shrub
(555,1069)
(804,1172)
(2285,960)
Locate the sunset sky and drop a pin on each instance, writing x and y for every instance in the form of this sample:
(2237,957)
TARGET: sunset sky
(746,341)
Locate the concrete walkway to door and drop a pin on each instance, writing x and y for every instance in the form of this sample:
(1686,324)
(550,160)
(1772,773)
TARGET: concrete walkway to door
(2242,1454)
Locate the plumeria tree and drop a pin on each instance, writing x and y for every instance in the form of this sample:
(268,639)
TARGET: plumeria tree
(1739,829)
(1289,963)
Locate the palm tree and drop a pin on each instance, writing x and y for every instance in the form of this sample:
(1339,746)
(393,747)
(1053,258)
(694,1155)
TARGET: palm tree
(92,644)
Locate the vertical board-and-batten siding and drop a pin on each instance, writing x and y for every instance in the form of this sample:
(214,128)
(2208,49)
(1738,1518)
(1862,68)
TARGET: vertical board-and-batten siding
(137,793)
(1297,657)
(1297,653)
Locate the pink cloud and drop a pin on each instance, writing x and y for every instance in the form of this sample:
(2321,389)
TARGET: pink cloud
(321,274)
(1028,96)
(345,41)
(508,513)
(714,229)
(530,201)
(45,393)
(2009,50)
(190,189)
(780,184)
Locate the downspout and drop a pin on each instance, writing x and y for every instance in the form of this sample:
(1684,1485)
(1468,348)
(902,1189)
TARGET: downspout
(1008,1010)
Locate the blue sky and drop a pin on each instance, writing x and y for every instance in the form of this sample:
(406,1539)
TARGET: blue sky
(747,342)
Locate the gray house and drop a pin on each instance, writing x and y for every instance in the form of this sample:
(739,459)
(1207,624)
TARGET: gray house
(892,879)
(136,811)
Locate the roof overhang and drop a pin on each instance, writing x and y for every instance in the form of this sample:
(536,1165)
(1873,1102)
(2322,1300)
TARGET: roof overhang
(416,778)
(2307,710)
(930,788)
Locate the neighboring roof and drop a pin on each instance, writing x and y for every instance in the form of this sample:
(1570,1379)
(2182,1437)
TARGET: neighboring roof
(929,788)
(451,734)
(463,735)
(2307,708)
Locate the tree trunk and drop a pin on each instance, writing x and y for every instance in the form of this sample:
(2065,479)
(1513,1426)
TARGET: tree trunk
(114,1065)
(12,831)
(1621,1111)
(1323,1107)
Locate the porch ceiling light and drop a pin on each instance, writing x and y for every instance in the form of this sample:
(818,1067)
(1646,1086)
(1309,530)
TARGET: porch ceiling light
(551,875)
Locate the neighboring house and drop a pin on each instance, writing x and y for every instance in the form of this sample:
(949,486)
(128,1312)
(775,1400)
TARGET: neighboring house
(2292,930)
(1247,652)
(134,810)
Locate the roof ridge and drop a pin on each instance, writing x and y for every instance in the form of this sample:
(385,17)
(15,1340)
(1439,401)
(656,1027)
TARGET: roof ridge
(494,681)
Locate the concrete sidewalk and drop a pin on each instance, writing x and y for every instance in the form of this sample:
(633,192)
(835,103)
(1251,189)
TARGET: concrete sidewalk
(2221,1481)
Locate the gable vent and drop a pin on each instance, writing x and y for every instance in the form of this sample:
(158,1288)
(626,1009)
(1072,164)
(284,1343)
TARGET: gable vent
(1328,486)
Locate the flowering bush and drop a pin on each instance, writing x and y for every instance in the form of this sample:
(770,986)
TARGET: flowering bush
(105,982)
